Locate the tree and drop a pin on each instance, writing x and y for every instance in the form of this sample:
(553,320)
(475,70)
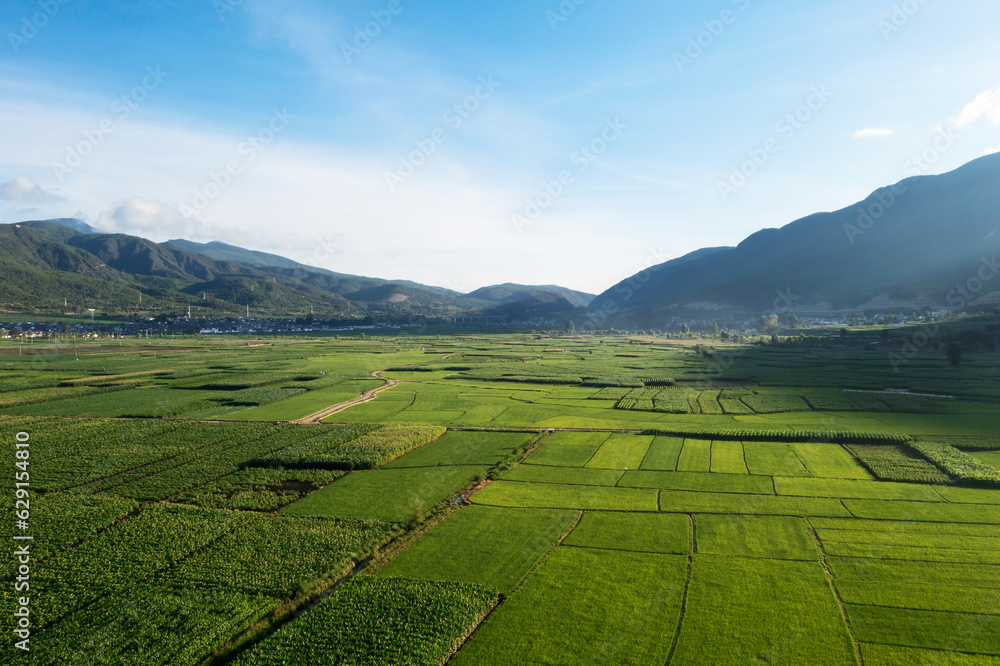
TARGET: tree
(724,336)
(954,352)
(794,321)
(570,328)
(685,329)
(767,323)
(714,328)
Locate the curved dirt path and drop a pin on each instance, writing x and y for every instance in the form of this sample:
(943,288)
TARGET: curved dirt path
(370,395)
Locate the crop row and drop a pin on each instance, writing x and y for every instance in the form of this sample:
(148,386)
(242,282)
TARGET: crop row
(66,453)
(149,624)
(121,556)
(279,556)
(895,463)
(368,451)
(959,465)
(62,521)
(260,489)
(838,436)
(214,464)
(379,621)
(190,442)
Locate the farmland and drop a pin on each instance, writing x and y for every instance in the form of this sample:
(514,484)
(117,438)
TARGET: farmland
(511,500)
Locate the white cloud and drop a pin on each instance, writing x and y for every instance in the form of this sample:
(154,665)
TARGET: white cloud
(874,133)
(24,190)
(147,218)
(986,105)
(991,151)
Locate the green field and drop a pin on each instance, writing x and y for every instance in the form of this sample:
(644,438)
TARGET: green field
(515,499)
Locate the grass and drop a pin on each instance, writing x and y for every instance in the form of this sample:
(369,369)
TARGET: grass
(919,597)
(586,606)
(462,447)
(663,454)
(984,577)
(567,449)
(924,511)
(954,632)
(639,532)
(621,452)
(550,496)
(894,655)
(700,481)
(745,611)
(483,545)
(392,495)
(969,495)
(676,501)
(727,458)
(830,461)
(762,537)
(574,476)
(775,458)
(846,489)
(696,456)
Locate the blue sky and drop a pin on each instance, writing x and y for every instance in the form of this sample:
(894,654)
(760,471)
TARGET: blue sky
(466,144)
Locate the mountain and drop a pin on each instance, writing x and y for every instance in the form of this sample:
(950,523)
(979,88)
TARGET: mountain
(911,245)
(225,252)
(52,265)
(533,296)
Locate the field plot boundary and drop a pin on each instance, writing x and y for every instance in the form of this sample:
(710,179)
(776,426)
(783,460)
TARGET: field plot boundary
(367,397)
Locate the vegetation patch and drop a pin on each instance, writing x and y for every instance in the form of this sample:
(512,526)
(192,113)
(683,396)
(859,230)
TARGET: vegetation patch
(747,611)
(960,466)
(584,605)
(378,621)
(897,463)
(483,545)
(640,532)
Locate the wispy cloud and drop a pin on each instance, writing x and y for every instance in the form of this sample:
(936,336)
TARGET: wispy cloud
(992,151)
(986,105)
(874,133)
(23,190)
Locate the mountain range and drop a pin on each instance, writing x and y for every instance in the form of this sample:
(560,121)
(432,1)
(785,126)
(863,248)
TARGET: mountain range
(57,264)
(927,242)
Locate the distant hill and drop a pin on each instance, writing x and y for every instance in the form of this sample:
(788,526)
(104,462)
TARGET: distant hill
(534,296)
(54,265)
(225,252)
(909,245)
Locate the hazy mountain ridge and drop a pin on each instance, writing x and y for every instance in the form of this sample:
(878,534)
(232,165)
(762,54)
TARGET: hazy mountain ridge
(914,242)
(54,260)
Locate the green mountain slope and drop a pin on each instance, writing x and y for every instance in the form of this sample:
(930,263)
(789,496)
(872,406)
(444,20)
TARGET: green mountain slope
(912,244)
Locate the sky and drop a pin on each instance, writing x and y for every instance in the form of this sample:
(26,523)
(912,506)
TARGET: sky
(570,142)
